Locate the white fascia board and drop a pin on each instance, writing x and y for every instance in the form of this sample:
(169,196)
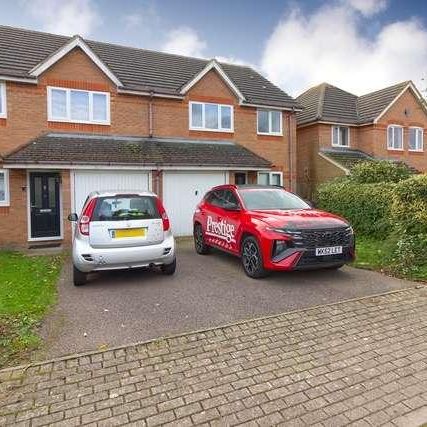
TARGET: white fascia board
(37,166)
(212,65)
(144,93)
(64,50)
(270,107)
(18,79)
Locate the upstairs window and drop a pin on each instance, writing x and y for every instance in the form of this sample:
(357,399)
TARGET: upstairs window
(78,106)
(415,139)
(340,136)
(211,117)
(2,100)
(4,187)
(395,137)
(269,122)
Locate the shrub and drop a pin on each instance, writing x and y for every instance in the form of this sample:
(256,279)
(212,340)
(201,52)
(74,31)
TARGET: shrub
(409,206)
(379,171)
(366,206)
(409,254)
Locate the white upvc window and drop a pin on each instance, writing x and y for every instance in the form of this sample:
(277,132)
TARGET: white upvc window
(340,136)
(269,122)
(4,187)
(78,106)
(3,100)
(416,136)
(395,137)
(211,117)
(270,178)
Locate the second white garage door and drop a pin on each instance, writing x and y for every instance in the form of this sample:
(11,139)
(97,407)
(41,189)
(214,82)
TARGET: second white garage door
(182,191)
(88,181)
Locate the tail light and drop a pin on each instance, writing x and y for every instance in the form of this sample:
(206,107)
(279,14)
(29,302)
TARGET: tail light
(86,217)
(163,215)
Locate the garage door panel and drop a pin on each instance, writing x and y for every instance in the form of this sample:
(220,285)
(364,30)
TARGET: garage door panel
(88,181)
(182,191)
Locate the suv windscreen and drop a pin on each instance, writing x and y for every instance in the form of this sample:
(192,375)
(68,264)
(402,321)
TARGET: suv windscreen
(123,207)
(271,199)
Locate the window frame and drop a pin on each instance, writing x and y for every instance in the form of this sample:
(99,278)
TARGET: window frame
(332,136)
(270,174)
(416,128)
(6,201)
(391,147)
(280,133)
(203,127)
(68,119)
(3,102)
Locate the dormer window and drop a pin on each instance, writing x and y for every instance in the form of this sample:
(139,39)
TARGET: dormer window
(78,106)
(2,100)
(211,117)
(340,136)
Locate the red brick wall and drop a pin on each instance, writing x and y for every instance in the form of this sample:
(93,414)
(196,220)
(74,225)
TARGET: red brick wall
(27,118)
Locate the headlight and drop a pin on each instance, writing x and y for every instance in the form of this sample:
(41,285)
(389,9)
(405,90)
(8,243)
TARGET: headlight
(349,230)
(280,246)
(276,230)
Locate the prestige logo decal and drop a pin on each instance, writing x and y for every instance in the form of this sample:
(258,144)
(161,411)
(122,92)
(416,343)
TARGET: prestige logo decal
(222,230)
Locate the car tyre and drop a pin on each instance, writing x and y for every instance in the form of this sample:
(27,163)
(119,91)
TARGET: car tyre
(199,240)
(252,261)
(79,278)
(169,269)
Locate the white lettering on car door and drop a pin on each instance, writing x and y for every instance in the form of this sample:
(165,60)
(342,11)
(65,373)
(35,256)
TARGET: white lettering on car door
(221,230)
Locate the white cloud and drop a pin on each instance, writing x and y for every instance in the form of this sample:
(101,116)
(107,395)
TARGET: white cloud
(66,17)
(234,60)
(133,20)
(331,45)
(367,7)
(184,41)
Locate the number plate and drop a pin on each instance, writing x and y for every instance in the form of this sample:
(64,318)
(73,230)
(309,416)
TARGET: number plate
(332,250)
(128,232)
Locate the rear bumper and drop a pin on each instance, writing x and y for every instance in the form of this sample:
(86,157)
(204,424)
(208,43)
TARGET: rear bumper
(88,259)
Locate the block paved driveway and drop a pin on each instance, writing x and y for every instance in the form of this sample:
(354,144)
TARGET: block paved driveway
(127,307)
(361,362)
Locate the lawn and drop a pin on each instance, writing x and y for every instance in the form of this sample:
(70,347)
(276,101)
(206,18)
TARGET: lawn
(27,290)
(373,254)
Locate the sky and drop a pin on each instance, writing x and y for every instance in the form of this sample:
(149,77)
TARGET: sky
(358,45)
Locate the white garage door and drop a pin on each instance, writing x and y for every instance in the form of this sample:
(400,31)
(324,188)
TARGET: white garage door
(182,191)
(87,181)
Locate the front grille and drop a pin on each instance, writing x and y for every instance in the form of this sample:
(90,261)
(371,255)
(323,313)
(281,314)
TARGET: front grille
(311,239)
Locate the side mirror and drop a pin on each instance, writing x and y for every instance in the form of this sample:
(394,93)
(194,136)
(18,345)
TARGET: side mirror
(73,217)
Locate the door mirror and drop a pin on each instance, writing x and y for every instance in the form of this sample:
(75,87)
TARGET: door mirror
(73,217)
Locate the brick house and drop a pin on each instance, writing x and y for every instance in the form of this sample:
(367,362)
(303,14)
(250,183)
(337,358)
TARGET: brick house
(336,129)
(79,115)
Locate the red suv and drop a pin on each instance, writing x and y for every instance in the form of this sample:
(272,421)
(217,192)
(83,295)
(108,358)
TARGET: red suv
(271,229)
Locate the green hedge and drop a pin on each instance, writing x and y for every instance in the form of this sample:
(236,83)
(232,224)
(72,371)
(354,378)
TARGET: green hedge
(366,206)
(379,171)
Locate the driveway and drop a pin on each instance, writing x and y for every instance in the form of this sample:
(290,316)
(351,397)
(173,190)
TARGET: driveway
(126,307)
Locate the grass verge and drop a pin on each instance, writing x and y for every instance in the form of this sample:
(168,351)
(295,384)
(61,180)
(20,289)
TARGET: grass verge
(27,290)
(374,254)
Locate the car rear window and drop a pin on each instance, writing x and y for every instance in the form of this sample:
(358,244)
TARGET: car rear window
(123,207)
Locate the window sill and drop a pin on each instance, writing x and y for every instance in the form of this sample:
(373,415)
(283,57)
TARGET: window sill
(212,130)
(4,204)
(416,151)
(396,150)
(269,134)
(340,146)
(79,122)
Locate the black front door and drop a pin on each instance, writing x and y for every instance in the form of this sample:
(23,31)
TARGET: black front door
(44,205)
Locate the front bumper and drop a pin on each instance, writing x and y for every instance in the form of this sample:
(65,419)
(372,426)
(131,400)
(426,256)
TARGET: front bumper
(88,259)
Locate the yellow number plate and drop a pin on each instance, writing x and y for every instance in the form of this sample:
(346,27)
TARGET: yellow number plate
(129,232)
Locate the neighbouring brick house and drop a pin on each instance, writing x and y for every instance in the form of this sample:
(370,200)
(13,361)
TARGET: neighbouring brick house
(78,115)
(336,129)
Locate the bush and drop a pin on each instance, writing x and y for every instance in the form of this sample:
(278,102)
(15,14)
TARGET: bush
(409,206)
(366,206)
(379,171)
(409,254)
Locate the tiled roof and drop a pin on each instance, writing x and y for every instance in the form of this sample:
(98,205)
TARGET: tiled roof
(346,157)
(329,103)
(80,149)
(137,69)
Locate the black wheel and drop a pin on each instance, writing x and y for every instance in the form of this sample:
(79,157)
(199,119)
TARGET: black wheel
(199,240)
(79,278)
(169,269)
(252,258)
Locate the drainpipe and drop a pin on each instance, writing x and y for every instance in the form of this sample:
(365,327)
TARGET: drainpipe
(150,115)
(289,151)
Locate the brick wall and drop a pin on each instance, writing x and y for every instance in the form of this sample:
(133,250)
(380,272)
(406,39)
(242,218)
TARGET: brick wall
(27,118)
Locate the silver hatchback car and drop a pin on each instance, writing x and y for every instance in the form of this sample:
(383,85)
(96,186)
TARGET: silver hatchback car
(121,230)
